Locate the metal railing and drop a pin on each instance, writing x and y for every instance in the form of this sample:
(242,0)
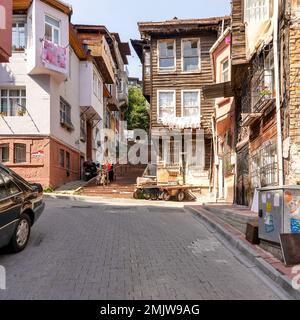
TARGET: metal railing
(261,90)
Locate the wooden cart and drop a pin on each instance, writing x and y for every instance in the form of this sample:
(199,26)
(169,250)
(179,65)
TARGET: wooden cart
(164,192)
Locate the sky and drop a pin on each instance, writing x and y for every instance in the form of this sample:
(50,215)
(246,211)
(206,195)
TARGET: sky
(122,16)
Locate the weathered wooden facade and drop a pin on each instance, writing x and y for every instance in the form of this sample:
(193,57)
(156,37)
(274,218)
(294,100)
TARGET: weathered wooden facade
(253,82)
(253,85)
(176,60)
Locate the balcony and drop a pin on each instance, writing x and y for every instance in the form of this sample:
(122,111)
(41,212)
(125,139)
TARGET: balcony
(102,55)
(261,99)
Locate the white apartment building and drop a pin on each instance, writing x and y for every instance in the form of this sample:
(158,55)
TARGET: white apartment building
(51,106)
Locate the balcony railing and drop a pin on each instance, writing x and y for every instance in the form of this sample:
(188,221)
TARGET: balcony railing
(101,52)
(258,94)
(262,90)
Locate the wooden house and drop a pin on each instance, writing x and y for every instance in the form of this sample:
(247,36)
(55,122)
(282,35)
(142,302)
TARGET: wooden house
(176,65)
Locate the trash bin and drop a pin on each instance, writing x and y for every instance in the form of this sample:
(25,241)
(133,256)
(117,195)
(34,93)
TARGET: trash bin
(279,212)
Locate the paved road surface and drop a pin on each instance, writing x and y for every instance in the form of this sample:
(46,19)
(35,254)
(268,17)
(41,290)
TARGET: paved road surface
(109,251)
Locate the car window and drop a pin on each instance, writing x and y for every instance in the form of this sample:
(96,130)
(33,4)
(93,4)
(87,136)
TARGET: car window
(11,187)
(3,192)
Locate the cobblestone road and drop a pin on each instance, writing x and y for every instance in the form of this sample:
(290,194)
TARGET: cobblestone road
(102,251)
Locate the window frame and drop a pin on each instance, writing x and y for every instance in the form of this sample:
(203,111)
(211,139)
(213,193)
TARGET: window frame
(246,10)
(3,145)
(52,28)
(158,106)
(199,55)
(166,69)
(62,164)
(20,19)
(199,100)
(20,97)
(63,114)
(227,59)
(15,159)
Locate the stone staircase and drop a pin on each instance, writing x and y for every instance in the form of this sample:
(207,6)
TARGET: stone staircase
(122,187)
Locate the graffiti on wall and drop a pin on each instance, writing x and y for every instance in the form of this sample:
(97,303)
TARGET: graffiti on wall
(292,203)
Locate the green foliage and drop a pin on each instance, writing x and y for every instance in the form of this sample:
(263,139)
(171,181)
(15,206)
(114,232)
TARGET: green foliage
(137,116)
(48,190)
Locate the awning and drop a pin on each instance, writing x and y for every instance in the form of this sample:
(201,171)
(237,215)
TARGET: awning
(218,90)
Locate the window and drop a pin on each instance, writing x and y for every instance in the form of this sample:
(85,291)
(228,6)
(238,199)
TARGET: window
(82,129)
(11,187)
(61,159)
(4,152)
(68,163)
(147,63)
(225,71)
(65,114)
(97,86)
(52,30)
(191,55)
(166,104)
(19,153)
(191,103)
(264,166)
(120,86)
(13,102)
(166,51)
(19,35)
(3,191)
(256,10)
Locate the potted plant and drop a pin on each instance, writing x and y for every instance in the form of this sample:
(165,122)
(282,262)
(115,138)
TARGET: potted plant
(21,112)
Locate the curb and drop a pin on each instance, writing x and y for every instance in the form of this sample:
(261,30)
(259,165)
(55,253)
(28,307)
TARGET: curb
(94,199)
(281,280)
(73,197)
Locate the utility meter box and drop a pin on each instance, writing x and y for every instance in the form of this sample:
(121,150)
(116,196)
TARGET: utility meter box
(279,212)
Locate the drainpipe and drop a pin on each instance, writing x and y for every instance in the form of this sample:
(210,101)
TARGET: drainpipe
(277,89)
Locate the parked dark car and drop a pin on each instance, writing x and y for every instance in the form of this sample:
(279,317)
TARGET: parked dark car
(21,204)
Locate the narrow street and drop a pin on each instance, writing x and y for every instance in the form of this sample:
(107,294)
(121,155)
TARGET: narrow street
(111,251)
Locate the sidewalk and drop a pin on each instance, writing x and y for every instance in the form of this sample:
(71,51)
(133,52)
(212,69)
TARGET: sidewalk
(227,221)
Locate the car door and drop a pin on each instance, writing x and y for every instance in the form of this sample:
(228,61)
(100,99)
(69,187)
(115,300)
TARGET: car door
(10,206)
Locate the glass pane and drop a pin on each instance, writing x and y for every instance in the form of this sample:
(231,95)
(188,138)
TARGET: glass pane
(190,48)
(48,32)
(166,49)
(166,113)
(167,63)
(4,106)
(15,39)
(225,65)
(4,153)
(11,187)
(190,99)
(3,192)
(56,36)
(13,106)
(166,99)
(14,93)
(22,38)
(52,21)
(191,64)
(4,93)
(191,112)
(20,153)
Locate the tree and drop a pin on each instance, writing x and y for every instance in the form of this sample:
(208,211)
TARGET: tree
(137,116)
